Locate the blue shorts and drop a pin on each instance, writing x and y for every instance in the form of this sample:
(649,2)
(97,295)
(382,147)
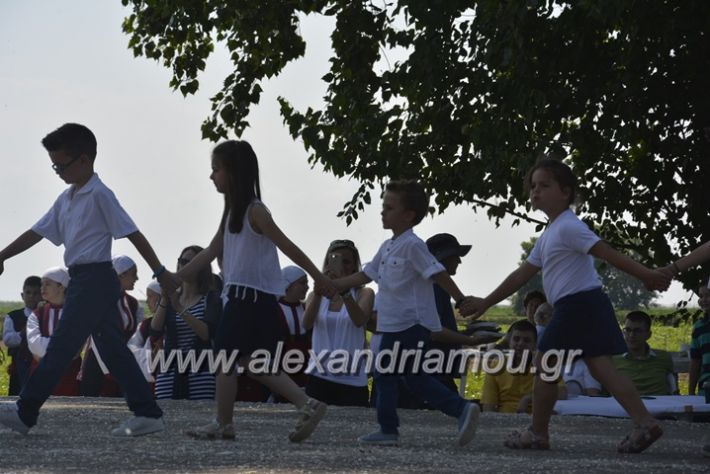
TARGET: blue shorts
(585,321)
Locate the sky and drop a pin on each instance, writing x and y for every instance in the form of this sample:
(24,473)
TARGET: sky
(68,62)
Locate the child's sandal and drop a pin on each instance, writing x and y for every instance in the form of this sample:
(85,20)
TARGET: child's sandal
(640,438)
(526,439)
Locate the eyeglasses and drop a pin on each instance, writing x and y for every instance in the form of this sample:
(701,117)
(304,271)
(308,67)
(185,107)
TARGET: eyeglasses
(634,330)
(183,261)
(61,168)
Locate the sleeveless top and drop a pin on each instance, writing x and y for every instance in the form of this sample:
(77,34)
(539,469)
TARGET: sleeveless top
(335,331)
(250,259)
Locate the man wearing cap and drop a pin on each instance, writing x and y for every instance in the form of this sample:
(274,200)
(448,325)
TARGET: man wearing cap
(448,251)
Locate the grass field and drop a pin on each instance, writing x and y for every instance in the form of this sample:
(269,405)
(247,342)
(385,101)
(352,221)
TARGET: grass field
(664,337)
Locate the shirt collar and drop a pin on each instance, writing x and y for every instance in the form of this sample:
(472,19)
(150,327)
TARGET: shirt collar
(651,353)
(88,187)
(404,235)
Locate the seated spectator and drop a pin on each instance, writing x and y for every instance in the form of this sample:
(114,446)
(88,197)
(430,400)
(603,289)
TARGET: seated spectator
(448,251)
(292,309)
(14,335)
(95,379)
(699,372)
(296,337)
(141,343)
(44,321)
(542,317)
(579,380)
(187,323)
(531,301)
(339,325)
(650,370)
(511,392)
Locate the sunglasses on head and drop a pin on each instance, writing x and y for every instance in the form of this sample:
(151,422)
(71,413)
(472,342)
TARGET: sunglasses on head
(341,243)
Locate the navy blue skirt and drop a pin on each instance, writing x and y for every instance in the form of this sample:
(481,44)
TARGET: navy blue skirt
(584,321)
(250,321)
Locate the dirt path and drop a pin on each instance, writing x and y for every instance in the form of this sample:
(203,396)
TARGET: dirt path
(73,436)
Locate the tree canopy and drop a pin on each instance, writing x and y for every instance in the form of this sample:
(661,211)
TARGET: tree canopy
(481,90)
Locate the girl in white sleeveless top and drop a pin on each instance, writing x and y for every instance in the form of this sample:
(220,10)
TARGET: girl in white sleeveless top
(247,239)
(338,325)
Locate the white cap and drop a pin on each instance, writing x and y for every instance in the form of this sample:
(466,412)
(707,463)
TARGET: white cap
(58,274)
(122,263)
(291,274)
(154,286)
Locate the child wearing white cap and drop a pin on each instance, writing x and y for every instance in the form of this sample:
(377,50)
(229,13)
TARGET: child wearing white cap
(292,309)
(44,321)
(141,344)
(96,381)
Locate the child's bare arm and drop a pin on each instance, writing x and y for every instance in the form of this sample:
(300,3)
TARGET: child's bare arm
(652,279)
(168,281)
(262,222)
(19,245)
(694,258)
(444,280)
(352,281)
(510,285)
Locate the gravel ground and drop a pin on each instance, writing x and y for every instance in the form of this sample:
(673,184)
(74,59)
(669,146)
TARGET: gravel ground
(73,436)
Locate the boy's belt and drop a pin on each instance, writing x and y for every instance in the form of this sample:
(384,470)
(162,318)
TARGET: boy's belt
(87,267)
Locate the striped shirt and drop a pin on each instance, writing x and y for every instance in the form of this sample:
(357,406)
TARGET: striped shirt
(200,385)
(700,348)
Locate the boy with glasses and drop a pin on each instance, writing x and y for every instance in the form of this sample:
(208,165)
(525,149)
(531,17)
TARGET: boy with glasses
(651,370)
(85,218)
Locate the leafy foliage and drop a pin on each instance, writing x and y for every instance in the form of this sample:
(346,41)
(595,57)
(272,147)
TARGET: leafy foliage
(478,91)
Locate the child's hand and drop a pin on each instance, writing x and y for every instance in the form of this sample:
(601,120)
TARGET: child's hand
(668,270)
(472,306)
(324,286)
(657,280)
(169,281)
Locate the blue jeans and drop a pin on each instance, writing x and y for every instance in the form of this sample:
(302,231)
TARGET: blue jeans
(90,309)
(425,386)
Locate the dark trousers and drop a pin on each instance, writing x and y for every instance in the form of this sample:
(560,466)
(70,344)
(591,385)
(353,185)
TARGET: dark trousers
(338,394)
(423,385)
(20,374)
(90,308)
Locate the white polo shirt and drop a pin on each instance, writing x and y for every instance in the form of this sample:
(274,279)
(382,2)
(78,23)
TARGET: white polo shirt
(85,222)
(403,268)
(562,251)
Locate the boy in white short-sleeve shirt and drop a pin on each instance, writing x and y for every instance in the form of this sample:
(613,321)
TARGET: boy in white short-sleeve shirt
(405,270)
(86,218)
